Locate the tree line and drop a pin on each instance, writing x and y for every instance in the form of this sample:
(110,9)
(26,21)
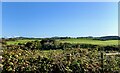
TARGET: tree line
(52,44)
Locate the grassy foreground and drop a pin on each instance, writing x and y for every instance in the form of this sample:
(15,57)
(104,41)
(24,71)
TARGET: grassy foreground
(59,61)
(50,56)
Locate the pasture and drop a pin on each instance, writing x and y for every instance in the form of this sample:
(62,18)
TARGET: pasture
(19,41)
(90,41)
(80,41)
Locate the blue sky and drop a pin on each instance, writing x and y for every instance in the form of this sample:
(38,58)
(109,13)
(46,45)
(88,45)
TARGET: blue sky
(48,19)
(0,19)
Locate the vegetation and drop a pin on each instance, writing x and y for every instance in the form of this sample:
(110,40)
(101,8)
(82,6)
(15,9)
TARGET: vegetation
(59,56)
(91,41)
(18,41)
(72,40)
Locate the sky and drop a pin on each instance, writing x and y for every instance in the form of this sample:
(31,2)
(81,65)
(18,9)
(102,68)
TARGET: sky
(0,19)
(60,0)
(49,19)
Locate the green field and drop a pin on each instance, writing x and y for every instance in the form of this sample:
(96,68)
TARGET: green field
(18,41)
(81,41)
(90,41)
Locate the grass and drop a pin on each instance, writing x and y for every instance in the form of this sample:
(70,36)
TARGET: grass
(90,41)
(18,41)
(81,41)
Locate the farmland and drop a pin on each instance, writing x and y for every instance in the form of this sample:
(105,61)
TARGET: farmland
(90,41)
(61,56)
(18,41)
(81,41)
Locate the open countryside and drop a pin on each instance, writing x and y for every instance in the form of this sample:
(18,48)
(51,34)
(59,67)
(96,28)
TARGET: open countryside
(59,37)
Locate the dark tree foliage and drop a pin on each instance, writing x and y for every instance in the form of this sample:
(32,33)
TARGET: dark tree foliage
(47,44)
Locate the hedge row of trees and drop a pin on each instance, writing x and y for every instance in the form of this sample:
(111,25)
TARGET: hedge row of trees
(47,44)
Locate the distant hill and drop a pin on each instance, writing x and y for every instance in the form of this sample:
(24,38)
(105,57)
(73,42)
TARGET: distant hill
(107,38)
(103,38)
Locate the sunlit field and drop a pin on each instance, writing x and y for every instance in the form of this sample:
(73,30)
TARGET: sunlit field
(81,41)
(90,41)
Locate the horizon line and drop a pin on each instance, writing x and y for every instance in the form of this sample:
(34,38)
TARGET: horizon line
(54,36)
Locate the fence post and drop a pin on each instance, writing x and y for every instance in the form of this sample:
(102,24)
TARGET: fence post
(102,60)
